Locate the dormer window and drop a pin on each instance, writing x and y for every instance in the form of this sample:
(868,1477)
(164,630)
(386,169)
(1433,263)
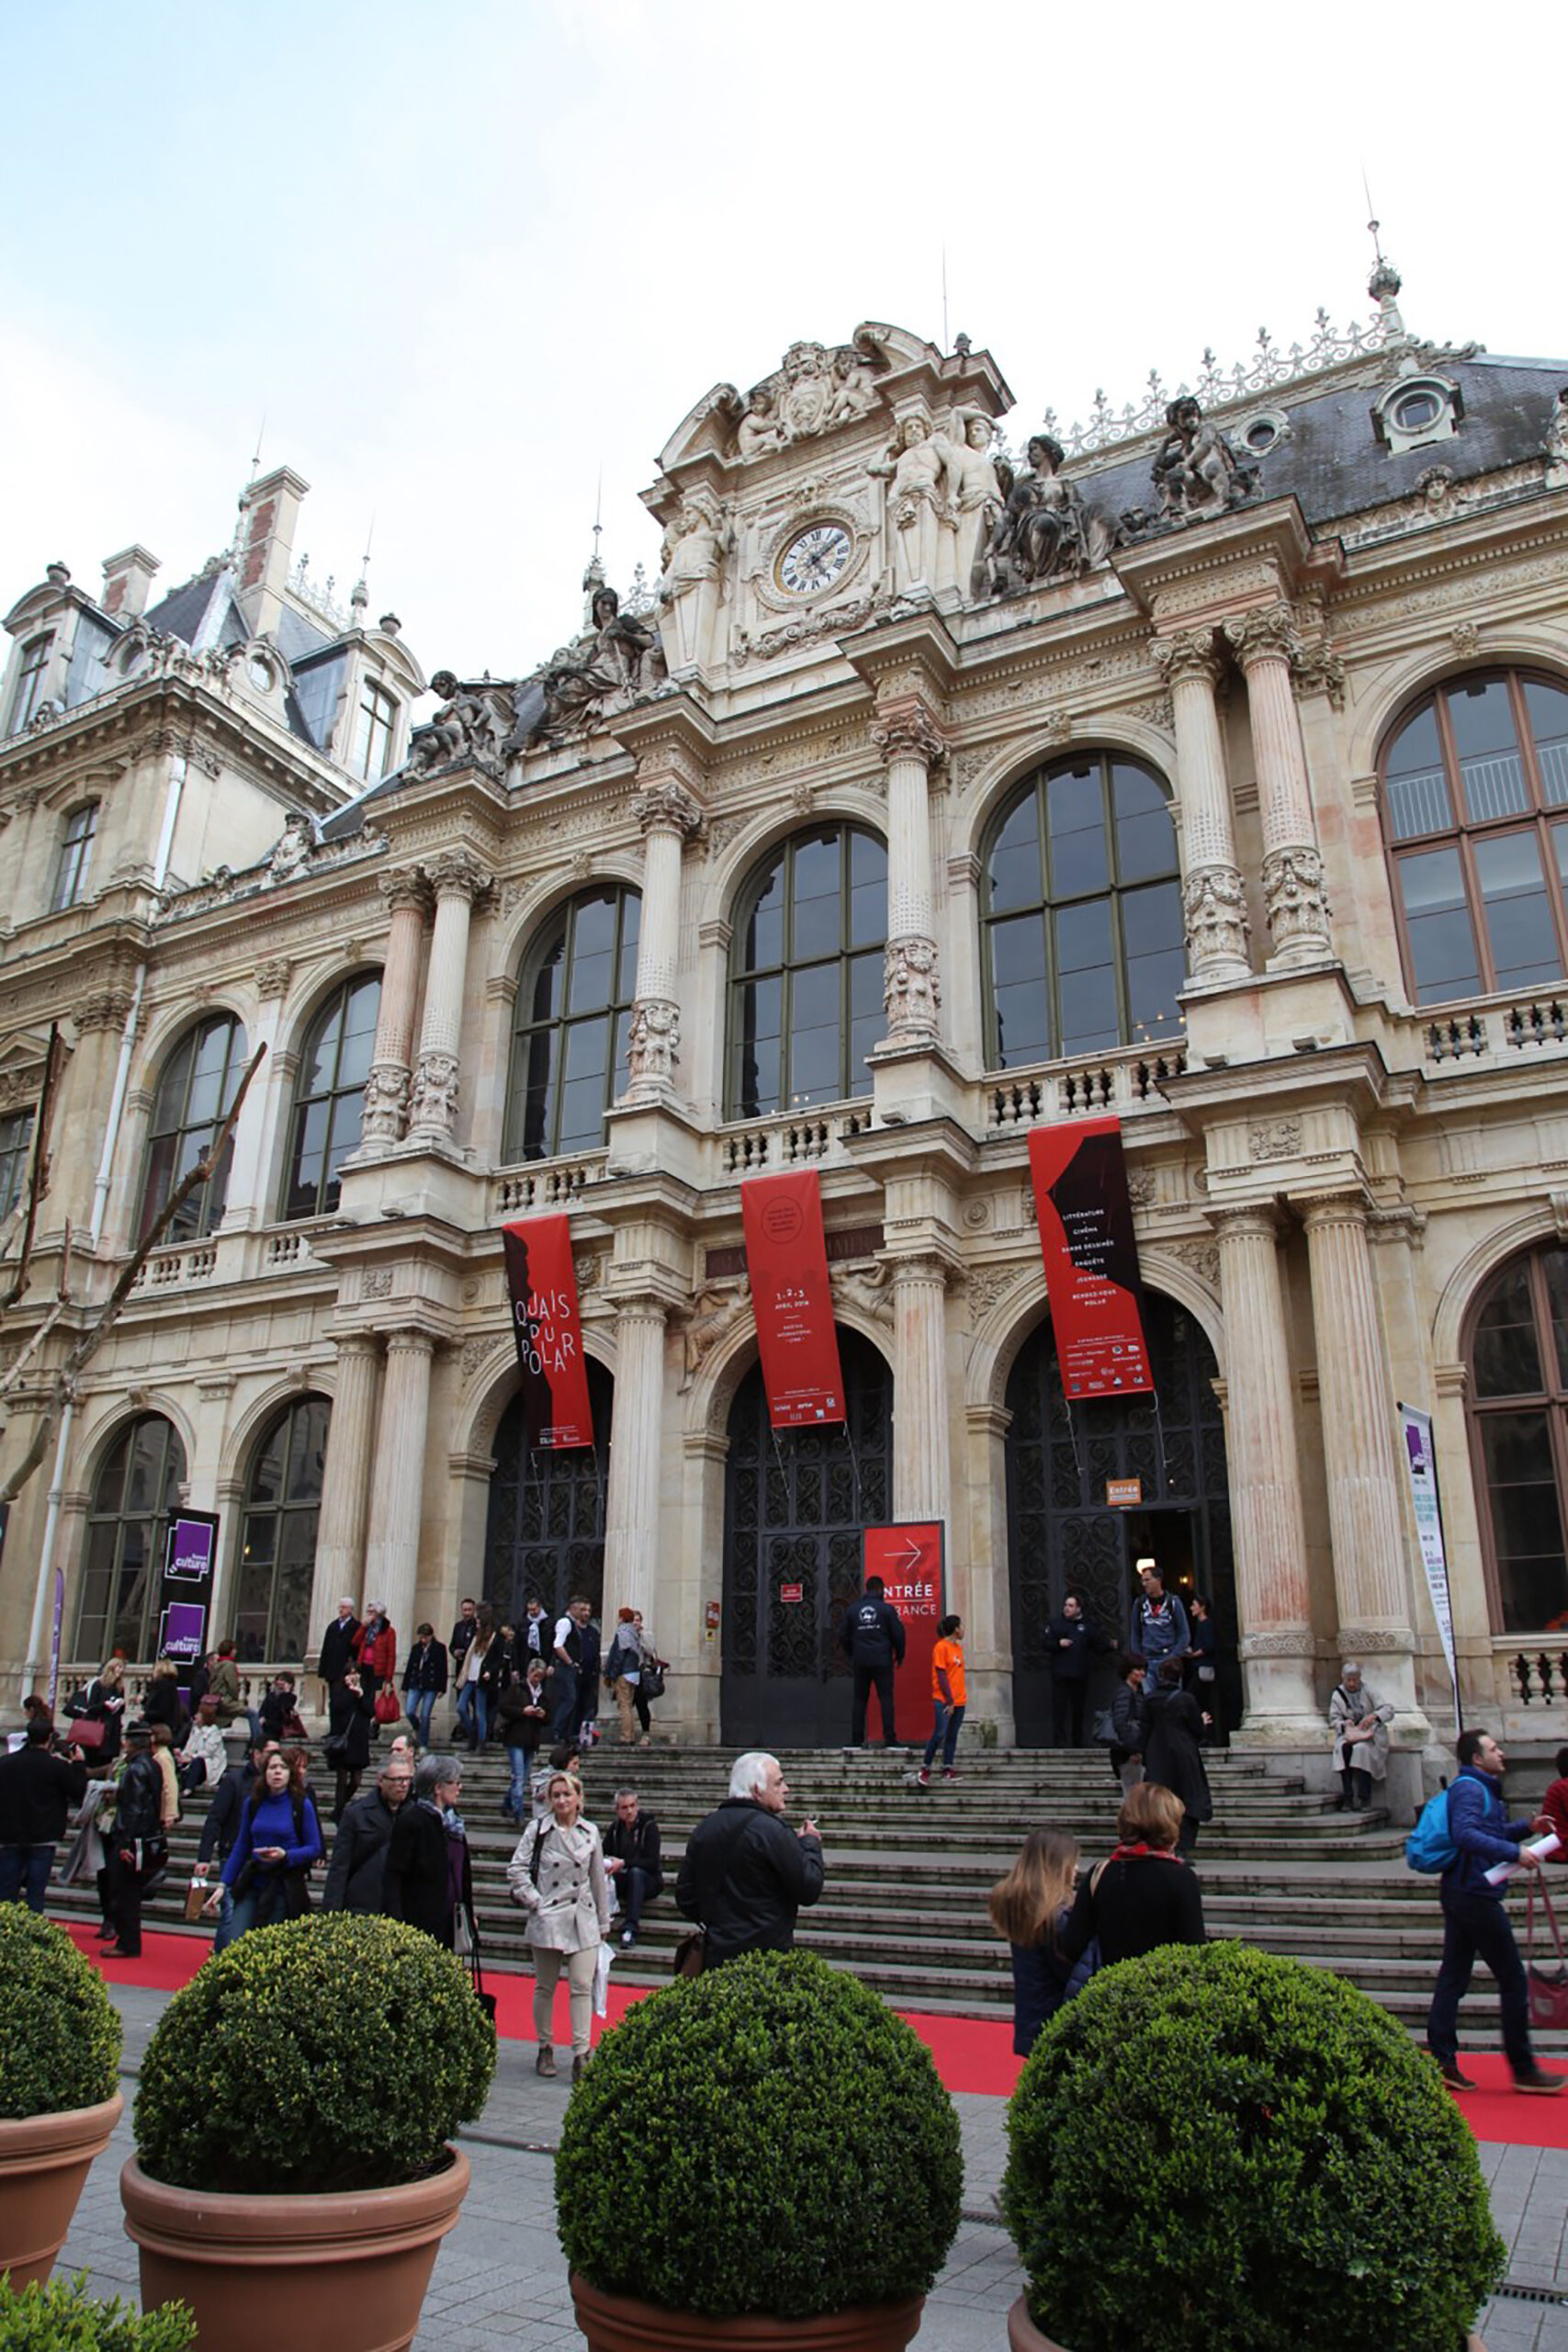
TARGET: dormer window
(1417,411)
(76,855)
(374,732)
(30,678)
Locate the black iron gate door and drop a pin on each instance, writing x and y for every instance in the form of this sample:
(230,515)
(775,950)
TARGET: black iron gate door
(1061,1534)
(545,1533)
(795,1504)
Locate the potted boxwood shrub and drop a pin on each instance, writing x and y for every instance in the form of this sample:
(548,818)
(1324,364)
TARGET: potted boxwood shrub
(59,2086)
(64,2317)
(1215,2145)
(293,2175)
(761,2155)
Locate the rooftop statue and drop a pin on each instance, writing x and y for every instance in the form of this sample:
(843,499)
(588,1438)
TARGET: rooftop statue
(1196,472)
(611,664)
(813,389)
(918,467)
(1045,531)
(467,730)
(979,487)
(690,581)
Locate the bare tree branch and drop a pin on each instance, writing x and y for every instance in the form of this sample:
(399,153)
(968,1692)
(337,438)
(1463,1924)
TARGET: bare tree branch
(89,1340)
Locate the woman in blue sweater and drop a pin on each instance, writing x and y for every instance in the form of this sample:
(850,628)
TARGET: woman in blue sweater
(279,1838)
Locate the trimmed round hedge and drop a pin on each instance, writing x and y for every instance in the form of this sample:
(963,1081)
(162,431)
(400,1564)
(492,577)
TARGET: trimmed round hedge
(1241,2150)
(61,2046)
(764,2138)
(336,2053)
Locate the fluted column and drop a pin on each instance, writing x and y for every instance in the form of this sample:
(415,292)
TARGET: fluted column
(397,1490)
(457,881)
(912,743)
(670,817)
(345,1482)
(1266,644)
(1264,1469)
(922,1453)
(386,1085)
(1364,1517)
(631,1519)
(1213,899)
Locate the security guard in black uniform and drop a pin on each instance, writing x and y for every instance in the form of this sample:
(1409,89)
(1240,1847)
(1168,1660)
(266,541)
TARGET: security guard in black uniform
(873,1633)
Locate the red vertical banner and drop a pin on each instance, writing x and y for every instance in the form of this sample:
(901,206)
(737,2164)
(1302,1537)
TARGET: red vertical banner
(909,1557)
(542,1284)
(786,1260)
(1079,1175)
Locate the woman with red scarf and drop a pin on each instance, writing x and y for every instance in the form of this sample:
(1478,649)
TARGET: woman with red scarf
(1145,1896)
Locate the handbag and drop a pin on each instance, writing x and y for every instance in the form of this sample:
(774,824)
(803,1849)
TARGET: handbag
(197,1894)
(388,1705)
(88,1733)
(1103,1728)
(692,1953)
(653,1679)
(1548,1987)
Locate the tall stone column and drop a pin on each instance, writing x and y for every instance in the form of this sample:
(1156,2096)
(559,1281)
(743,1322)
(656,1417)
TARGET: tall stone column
(922,1448)
(1264,1467)
(457,881)
(407,894)
(1266,644)
(631,1517)
(397,1489)
(1214,898)
(912,743)
(345,1482)
(670,817)
(1364,1517)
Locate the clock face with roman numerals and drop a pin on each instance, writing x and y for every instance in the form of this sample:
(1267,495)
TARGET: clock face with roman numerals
(814,560)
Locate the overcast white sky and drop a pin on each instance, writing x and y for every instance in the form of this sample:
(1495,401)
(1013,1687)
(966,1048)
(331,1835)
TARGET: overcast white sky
(463,259)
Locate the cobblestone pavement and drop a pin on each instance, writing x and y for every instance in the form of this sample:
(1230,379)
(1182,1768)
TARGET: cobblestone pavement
(487,2304)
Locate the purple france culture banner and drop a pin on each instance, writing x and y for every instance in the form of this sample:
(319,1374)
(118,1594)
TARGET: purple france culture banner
(182,1632)
(191,1547)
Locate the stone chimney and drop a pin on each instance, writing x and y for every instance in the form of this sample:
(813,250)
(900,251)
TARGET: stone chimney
(127,578)
(269,513)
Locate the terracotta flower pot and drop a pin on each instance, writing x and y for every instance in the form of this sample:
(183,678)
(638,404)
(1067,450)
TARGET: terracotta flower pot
(44,2160)
(1024,2336)
(345,2273)
(621,2324)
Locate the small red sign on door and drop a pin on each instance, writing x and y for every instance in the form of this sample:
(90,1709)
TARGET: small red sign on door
(792,1592)
(1124,1494)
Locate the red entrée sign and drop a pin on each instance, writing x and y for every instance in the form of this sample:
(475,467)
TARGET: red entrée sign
(786,1259)
(542,1284)
(911,1557)
(1091,1257)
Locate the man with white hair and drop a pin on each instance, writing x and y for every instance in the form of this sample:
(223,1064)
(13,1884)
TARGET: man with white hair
(745,1875)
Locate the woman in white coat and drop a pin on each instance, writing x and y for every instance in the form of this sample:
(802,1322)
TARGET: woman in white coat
(1358,1721)
(558,1875)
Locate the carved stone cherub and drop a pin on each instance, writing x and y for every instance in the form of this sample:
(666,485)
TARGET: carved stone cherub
(467,726)
(759,430)
(1196,472)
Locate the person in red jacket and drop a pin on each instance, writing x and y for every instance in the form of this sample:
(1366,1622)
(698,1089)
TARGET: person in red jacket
(375,1649)
(1555,1805)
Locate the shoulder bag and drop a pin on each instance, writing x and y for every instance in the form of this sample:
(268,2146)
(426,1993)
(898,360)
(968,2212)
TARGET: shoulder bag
(1548,1987)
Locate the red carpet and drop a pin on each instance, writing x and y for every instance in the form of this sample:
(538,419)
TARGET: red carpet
(971,2054)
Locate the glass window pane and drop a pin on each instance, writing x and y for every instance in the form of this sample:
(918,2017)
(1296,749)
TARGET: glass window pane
(814,1066)
(1547,711)
(319,1064)
(1555,1264)
(814,928)
(1014,868)
(546,980)
(625,974)
(1145,838)
(764,943)
(1526,1523)
(1492,772)
(585,1049)
(1156,960)
(1075,814)
(1083,935)
(1518,915)
(582,1114)
(589,982)
(1418,786)
(1442,942)
(1506,1356)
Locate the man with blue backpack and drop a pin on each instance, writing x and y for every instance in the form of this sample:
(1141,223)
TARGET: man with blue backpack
(1479,1836)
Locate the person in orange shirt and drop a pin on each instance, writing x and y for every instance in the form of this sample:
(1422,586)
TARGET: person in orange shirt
(948,1693)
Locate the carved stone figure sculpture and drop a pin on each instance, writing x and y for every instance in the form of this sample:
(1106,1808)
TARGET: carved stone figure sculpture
(759,430)
(292,850)
(917,468)
(691,582)
(1046,530)
(611,663)
(1196,472)
(813,389)
(1556,443)
(468,727)
(977,491)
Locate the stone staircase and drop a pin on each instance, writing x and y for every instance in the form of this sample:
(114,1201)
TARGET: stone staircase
(909,1870)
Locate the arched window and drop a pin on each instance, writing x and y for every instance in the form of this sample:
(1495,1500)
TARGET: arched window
(28,691)
(136,1492)
(329,1096)
(278,1540)
(805,979)
(569,1046)
(76,855)
(1081,913)
(1475,804)
(1519,1423)
(16,1146)
(375,725)
(194,1097)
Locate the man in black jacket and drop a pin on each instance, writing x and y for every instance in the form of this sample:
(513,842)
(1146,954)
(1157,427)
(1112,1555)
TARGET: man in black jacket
(744,1874)
(359,1850)
(424,1680)
(337,1649)
(136,1849)
(38,1790)
(632,1859)
(872,1633)
(1072,1644)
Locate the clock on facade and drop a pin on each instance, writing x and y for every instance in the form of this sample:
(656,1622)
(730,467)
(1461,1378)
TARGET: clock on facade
(813,559)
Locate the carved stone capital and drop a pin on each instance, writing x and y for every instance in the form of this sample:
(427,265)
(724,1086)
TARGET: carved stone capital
(1284,1641)
(386,1101)
(907,730)
(653,1042)
(109,1009)
(1384,1641)
(1190,654)
(1245,1221)
(272,978)
(1267,635)
(1318,672)
(1296,895)
(1328,1209)
(1215,925)
(433,1104)
(457,873)
(665,806)
(911,991)
(405,886)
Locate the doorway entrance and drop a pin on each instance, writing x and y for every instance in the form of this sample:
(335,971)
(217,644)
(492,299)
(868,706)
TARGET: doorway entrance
(544,1530)
(795,1504)
(1063,1536)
